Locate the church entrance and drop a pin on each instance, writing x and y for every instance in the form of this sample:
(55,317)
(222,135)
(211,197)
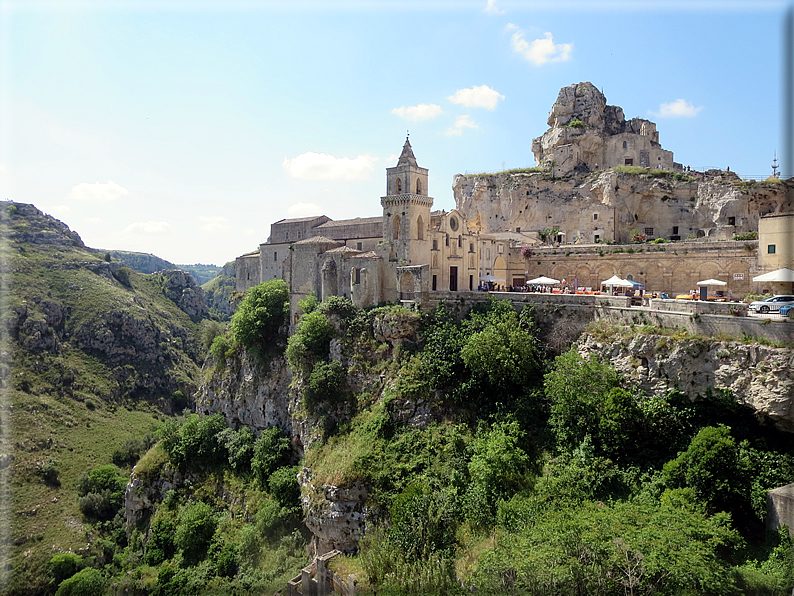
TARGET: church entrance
(453,279)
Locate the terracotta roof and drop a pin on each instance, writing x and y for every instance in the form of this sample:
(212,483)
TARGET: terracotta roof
(317,240)
(346,222)
(343,249)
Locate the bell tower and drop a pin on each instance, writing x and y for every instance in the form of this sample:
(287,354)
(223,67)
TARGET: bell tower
(406,209)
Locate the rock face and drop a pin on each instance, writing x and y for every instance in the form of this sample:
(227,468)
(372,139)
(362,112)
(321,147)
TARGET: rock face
(254,395)
(182,290)
(611,204)
(39,228)
(336,516)
(141,498)
(761,377)
(586,133)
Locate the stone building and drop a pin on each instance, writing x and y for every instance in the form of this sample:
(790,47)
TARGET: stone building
(403,254)
(587,134)
(776,242)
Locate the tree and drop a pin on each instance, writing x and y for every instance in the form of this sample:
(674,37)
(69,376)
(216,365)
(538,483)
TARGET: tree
(310,341)
(271,451)
(260,315)
(195,530)
(711,466)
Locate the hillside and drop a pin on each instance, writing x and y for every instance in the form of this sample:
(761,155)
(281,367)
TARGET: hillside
(149,263)
(95,353)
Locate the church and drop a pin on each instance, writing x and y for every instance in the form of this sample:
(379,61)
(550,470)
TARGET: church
(407,252)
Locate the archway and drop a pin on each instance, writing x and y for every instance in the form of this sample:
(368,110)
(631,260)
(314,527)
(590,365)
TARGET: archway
(500,269)
(420,228)
(399,185)
(419,186)
(396,228)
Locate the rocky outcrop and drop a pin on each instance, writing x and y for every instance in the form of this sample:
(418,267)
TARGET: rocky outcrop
(396,328)
(761,377)
(251,393)
(710,206)
(337,516)
(181,289)
(32,226)
(141,496)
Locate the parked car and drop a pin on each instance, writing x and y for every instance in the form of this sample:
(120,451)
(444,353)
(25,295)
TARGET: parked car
(786,310)
(772,304)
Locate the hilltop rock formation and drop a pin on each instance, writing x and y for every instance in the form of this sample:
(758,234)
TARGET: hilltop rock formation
(610,204)
(181,289)
(587,133)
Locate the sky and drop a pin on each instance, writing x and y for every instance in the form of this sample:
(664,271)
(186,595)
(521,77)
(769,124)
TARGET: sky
(184,129)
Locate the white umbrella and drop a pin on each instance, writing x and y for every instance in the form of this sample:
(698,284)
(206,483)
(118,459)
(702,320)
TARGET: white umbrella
(615,281)
(781,275)
(491,278)
(712,282)
(544,281)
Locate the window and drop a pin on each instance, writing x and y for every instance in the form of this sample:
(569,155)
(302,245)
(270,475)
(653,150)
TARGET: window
(595,216)
(731,221)
(399,184)
(629,162)
(446,240)
(596,237)
(675,230)
(501,248)
(471,246)
(359,245)
(518,230)
(286,235)
(649,231)
(453,223)
(624,144)
(275,257)
(435,243)
(419,186)
(356,276)
(460,242)
(770,249)
(435,281)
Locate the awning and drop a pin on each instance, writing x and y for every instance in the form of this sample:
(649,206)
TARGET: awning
(543,281)
(490,278)
(712,282)
(781,275)
(616,282)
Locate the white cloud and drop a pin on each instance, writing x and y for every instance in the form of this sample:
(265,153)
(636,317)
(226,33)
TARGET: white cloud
(477,97)
(321,166)
(94,220)
(462,122)
(304,209)
(424,111)
(539,51)
(148,228)
(680,108)
(491,8)
(214,223)
(60,209)
(98,192)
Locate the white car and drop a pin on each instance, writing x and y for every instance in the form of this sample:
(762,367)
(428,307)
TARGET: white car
(772,304)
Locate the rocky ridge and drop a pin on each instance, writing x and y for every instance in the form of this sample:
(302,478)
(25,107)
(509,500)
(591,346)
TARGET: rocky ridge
(758,376)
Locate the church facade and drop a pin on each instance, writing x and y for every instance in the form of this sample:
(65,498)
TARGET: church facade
(407,252)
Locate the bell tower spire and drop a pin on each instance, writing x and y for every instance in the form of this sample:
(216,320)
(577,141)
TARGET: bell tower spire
(406,206)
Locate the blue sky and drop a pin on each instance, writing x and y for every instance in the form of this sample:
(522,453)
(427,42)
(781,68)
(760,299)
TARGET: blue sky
(185,129)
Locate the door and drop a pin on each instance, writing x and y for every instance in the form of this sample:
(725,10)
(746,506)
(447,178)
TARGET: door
(453,279)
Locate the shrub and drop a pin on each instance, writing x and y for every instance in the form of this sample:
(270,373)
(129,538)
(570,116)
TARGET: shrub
(101,492)
(86,582)
(338,306)
(259,316)
(310,341)
(63,566)
(160,545)
(195,442)
(240,447)
(195,530)
(747,236)
(271,450)
(49,470)
(209,331)
(220,348)
(576,124)
(132,450)
(122,275)
(324,383)
(283,486)
(308,304)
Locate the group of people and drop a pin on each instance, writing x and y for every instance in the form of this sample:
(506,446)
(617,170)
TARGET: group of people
(492,287)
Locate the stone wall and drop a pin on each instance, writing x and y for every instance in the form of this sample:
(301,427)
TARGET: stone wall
(780,508)
(248,272)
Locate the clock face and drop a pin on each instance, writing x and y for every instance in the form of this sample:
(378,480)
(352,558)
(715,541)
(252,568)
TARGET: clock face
(453,223)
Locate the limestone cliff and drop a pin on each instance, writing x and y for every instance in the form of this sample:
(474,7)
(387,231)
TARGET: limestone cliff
(758,376)
(611,204)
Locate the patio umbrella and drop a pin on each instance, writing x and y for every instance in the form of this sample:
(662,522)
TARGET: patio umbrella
(490,278)
(712,282)
(543,281)
(780,275)
(615,281)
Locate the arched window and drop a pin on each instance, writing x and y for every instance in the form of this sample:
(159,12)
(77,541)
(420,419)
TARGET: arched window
(398,183)
(420,228)
(419,186)
(396,227)
(624,144)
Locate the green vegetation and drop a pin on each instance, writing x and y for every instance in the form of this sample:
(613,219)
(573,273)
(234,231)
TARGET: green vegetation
(746,236)
(262,312)
(576,124)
